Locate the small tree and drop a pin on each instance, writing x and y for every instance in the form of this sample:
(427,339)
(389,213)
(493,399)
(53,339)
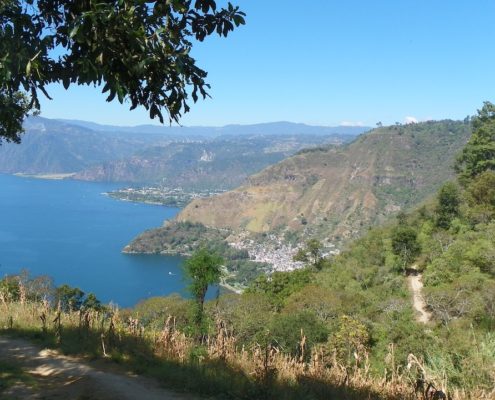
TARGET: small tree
(448,204)
(405,244)
(203,268)
(69,298)
(311,253)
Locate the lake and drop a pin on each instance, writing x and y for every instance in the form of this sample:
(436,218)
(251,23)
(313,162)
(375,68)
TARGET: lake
(70,231)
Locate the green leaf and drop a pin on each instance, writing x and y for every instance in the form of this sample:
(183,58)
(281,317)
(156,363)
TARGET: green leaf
(74,31)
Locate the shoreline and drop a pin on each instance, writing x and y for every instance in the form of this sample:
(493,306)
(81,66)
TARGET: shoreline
(52,177)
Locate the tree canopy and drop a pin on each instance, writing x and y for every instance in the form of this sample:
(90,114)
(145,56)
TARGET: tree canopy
(479,153)
(138,51)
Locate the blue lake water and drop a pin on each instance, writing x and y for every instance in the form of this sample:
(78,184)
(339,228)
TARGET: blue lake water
(71,232)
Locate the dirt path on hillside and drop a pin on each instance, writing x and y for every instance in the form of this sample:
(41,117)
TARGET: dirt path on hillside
(59,377)
(419,304)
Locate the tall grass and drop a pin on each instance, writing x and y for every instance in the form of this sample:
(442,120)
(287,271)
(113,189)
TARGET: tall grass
(220,368)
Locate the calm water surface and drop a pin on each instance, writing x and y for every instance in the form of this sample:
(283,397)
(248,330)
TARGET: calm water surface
(71,232)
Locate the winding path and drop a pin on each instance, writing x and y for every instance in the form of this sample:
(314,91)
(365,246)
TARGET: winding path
(419,304)
(60,377)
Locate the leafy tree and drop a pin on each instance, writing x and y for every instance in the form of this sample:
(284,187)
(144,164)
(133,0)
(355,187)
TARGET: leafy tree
(448,204)
(92,303)
(280,285)
(310,253)
(287,330)
(479,153)
(405,244)
(203,268)
(351,341)
(481,198)
(9,288)
(69,298)
(137,50)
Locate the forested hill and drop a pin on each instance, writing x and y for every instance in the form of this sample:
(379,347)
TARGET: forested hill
(336,192)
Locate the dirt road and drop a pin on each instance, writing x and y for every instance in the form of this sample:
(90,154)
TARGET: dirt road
(419,304)
(59,377)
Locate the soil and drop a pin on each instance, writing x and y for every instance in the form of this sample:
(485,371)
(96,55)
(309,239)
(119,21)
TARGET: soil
(419,303)
(55,376)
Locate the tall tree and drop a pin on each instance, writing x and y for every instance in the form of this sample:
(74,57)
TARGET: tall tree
(137,50)
(203,268)
(479,153)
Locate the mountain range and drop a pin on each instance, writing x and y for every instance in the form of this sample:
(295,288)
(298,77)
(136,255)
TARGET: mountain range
(206,157)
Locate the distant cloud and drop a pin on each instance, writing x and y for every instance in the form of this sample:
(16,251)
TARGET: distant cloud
(410,120)
(352,123)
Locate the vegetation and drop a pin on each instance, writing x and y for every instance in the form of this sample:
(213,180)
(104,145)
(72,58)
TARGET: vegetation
(356,312)
(203,269)
(186,237)
(348,329)
(336,194)
(479,154)
(139,51)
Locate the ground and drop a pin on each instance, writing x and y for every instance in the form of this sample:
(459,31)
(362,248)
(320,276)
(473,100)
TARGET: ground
(416,285)
(29,372)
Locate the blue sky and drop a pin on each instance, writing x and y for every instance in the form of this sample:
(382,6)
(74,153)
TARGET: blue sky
(327,62)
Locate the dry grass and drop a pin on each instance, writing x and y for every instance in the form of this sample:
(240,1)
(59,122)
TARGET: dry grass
(110,334)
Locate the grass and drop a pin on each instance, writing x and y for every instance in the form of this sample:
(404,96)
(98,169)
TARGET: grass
(217,369)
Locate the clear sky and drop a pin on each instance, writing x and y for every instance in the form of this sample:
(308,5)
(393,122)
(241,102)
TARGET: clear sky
(327,62)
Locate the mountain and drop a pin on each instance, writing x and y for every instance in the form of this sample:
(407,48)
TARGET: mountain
(50,146)
(150,153)
(337,192)
(270,128)
(219,163)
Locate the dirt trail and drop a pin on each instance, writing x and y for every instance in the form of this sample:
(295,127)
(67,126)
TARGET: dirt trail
(419,303)
(61,377)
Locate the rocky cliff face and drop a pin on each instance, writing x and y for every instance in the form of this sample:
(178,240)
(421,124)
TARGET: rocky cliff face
(337,192)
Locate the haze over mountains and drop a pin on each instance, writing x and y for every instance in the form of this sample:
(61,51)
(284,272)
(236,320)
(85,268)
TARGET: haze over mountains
(217,157)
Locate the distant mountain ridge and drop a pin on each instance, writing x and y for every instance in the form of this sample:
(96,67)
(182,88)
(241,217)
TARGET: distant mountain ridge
(337,192)
(220,163)
(269,128)
(155,154)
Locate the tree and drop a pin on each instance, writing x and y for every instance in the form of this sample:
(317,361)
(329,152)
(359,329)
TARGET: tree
(351,341)
(405,244)
(448,199)
(203,268)
(311,253)
(137,50)
(479,153)
(69,298)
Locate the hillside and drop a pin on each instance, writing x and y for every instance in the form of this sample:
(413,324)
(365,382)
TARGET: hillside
(220,163)
(336,192)
(189,157)
(50,146)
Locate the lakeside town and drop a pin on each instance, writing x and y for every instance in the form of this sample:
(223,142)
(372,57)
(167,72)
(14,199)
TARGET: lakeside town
(275,251)
(161,195)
